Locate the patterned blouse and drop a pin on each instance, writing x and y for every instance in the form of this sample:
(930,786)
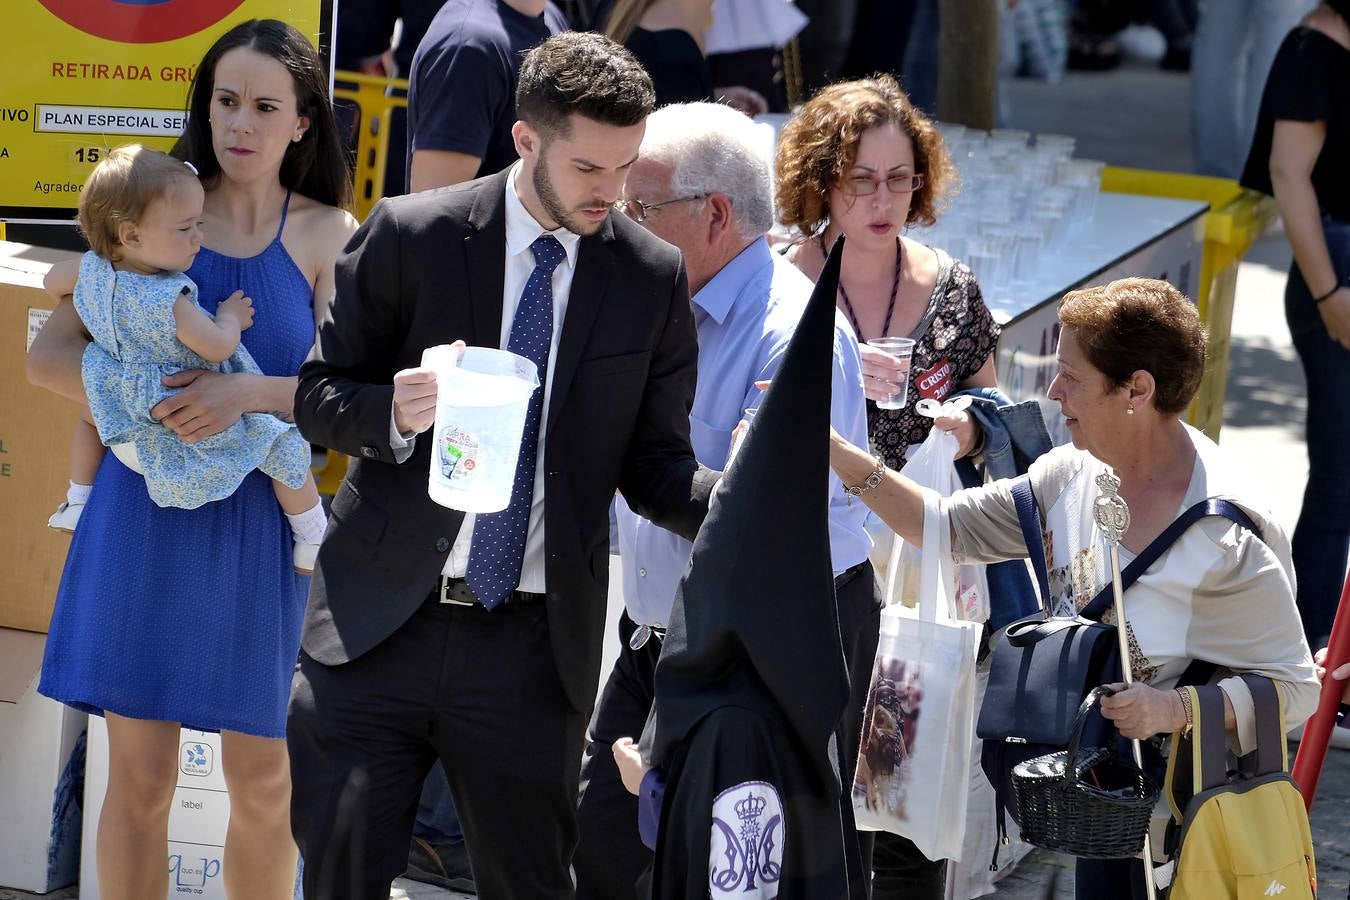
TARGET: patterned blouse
(952,341)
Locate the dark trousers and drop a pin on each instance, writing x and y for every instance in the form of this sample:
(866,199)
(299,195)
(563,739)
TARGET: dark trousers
(1322,536)
(437,822)
(902,872)
(477,690)
(610,856)
(1109,879)
(858,596)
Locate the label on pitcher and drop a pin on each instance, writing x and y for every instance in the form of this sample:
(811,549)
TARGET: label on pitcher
(458,453)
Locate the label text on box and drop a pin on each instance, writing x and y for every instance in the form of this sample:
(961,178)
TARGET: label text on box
(110,120)
(36,319)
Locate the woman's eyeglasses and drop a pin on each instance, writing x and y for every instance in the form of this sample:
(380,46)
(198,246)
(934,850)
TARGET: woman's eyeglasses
(866,185)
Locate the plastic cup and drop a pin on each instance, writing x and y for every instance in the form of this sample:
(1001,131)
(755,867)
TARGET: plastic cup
(1060,146)
(1028,257)
(902,349)
(481,401)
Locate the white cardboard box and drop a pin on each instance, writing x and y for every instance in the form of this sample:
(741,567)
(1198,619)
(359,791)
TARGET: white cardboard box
(198,818)
(41,761)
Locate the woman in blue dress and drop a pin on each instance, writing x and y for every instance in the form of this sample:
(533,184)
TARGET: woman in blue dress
(167,616)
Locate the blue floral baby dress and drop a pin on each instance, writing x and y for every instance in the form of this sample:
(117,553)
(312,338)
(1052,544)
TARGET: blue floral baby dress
(130,317)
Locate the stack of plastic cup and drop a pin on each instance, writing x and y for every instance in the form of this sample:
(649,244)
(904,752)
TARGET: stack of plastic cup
(1020,200)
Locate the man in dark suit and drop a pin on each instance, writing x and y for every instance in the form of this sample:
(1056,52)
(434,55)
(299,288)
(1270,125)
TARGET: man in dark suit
(476,640)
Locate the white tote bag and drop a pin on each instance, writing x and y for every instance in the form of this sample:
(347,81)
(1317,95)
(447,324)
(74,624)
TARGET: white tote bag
(913,773)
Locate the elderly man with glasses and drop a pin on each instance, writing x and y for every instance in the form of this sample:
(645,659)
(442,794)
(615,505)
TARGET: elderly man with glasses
(702,183)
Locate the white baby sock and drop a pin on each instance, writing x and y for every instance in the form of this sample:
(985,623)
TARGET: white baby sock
(78,494)
(308,527)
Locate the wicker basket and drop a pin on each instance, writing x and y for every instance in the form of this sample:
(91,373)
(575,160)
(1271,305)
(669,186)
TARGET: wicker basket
(1088,803)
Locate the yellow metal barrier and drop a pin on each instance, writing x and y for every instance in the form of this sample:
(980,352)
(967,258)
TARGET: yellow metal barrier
(329,475)
(1236,218)
(376,98)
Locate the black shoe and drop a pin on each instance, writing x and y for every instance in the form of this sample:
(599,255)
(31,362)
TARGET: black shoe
(1092,53)
(1177,59)
(446,865)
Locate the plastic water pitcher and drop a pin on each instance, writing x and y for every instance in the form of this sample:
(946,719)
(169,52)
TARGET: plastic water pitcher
(481,401)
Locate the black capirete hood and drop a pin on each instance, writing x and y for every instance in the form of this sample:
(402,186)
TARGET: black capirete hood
(755,623)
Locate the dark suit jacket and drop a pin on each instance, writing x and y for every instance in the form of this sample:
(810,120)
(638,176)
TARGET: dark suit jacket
(428,269)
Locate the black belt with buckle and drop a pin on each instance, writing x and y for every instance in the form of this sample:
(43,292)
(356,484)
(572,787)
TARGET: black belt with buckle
(456,592)
(848,575)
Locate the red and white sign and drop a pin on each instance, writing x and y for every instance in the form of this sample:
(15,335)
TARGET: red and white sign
(141,21)
(935,382)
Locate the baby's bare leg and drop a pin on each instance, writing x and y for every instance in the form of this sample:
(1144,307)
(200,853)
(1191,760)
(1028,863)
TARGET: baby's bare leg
(86,455)
(296,501)
(86,450)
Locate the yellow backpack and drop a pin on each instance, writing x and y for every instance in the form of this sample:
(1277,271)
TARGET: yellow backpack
(1241,835)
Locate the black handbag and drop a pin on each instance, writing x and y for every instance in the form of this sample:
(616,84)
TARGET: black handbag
(1046,665)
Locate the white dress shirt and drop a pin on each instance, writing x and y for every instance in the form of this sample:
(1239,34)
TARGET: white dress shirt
(521,231)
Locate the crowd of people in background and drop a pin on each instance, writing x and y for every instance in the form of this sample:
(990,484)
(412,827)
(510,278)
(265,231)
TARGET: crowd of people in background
(581,184)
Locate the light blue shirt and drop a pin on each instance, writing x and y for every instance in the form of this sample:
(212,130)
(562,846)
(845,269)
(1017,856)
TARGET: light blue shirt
(746,315)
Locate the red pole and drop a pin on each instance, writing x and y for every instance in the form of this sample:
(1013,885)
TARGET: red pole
(1312,747)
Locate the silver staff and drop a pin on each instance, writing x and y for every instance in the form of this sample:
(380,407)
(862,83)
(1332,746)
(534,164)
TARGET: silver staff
(1113,518)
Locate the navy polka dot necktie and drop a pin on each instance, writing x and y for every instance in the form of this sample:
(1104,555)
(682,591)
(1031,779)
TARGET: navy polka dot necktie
(498,546)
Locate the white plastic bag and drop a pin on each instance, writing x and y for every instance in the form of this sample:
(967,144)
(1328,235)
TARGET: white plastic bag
(930,466)
(913,772)
(970,876)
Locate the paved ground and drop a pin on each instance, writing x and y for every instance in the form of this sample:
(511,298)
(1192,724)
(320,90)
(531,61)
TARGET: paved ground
(1137,116)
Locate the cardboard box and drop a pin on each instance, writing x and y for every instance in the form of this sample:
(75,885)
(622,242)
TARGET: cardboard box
(198,818)
(41,766)
(35,430)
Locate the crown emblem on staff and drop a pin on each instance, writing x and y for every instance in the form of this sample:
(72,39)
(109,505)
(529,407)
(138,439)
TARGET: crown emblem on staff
(750,808)
(1109,509)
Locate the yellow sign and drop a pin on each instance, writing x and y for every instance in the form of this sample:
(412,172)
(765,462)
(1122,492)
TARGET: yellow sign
(83,76)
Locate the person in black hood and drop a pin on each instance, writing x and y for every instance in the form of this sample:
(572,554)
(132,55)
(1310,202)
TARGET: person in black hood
(742,797)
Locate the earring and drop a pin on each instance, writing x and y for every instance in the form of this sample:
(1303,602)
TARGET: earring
(1130,411)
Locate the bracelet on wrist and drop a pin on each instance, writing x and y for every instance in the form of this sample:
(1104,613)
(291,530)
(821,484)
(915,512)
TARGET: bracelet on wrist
(1327,296)
(873,479)
(979,447)
(1185,696)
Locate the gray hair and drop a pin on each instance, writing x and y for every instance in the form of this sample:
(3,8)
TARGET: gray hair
(712,147)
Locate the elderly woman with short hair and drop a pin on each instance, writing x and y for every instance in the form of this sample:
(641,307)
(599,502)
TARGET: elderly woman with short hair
(1131,355)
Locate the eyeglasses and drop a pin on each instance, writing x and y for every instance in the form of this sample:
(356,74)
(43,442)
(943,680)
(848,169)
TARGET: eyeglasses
(637,210)
(866,185)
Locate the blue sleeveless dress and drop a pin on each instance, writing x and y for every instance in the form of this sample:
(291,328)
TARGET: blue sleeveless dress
(191,616)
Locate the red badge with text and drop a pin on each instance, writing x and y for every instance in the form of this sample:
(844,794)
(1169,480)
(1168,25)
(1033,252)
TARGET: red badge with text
(141,21)
(935,382)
